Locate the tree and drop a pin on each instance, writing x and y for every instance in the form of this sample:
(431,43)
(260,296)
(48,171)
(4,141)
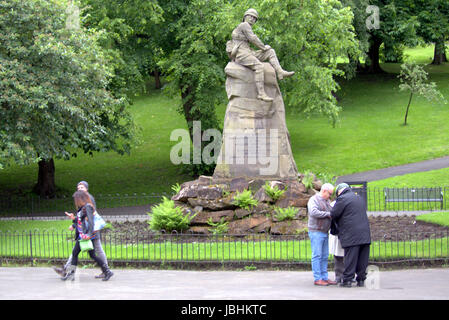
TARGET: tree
(129,35)
(318,34)
(433,16)
(359,10)
(397,27)
(413,78)
(54,97)
(195,61)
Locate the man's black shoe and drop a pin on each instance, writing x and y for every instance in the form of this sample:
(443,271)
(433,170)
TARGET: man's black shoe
(360,283)
(345,284)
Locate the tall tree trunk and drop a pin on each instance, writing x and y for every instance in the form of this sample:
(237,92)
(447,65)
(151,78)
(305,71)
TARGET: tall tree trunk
(439,53)
(46,187)
(373,55)
(188,101)
(198,166)
(157,79)
(358,67)
(187,105)
(408,106)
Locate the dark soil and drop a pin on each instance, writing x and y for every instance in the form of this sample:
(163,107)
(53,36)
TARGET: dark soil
(382,228)
(404,229)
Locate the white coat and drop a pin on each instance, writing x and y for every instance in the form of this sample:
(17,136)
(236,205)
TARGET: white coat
(335,247)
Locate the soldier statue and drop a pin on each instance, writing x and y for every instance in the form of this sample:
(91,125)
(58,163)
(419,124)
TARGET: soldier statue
(240,52)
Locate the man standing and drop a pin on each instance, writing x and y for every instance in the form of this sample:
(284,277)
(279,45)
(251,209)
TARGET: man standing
(239,50)
(319,223)
(354,233)
(84,186)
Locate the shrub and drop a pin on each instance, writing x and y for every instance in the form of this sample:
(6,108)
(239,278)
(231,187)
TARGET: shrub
(327,177)
(244,199)
(165,216)
(285,213)
(307,180)
(220,227)
(176,188)
(273,192)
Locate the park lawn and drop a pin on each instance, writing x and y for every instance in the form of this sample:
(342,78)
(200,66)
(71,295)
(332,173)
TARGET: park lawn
(432,178)
(441,218)
(368,136)
(34,226)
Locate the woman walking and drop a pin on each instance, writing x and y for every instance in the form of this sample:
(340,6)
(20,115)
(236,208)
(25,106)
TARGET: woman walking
(84,226)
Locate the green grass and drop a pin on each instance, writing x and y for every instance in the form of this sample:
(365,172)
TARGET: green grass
(431,178)
(441,218)
(420,54)
(369,136)
(34,226)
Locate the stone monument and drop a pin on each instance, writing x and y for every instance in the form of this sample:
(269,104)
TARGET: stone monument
(256,141)
(255,147)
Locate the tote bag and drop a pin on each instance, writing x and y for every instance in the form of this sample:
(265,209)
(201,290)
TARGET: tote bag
(86,245)
(99,222)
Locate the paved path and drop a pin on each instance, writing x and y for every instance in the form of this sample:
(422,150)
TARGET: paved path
(42,283)
(434,164)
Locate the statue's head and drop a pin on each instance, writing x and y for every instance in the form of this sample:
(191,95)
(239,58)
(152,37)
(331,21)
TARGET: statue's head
(251,12)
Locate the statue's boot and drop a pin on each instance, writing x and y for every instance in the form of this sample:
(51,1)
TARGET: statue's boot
(284,74)
(281,73)
(259,78)
(261,92)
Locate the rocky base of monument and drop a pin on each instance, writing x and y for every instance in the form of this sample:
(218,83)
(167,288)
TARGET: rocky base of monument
(212,200)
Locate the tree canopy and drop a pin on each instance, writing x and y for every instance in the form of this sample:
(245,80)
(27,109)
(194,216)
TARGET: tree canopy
(129,35)
(308,37)
(433,16)
(54,87)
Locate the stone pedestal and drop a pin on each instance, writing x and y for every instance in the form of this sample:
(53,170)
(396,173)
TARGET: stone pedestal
(256,142)
(207,198)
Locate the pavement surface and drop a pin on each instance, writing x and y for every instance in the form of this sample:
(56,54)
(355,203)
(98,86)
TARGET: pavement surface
(41,283)
(434,164)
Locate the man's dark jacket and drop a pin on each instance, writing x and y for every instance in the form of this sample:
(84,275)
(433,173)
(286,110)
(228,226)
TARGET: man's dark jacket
(349,213)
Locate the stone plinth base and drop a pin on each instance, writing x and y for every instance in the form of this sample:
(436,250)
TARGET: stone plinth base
(212,200)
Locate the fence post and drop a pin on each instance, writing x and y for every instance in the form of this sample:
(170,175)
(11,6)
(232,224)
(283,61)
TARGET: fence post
(31,248)
(32,207)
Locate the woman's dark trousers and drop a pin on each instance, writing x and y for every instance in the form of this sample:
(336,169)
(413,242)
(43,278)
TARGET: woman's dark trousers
(339,268)
(76,251)
(356,262)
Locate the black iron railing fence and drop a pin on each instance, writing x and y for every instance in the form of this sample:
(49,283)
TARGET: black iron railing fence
(408,199)
(225,249)
(378,199)
(31,205)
